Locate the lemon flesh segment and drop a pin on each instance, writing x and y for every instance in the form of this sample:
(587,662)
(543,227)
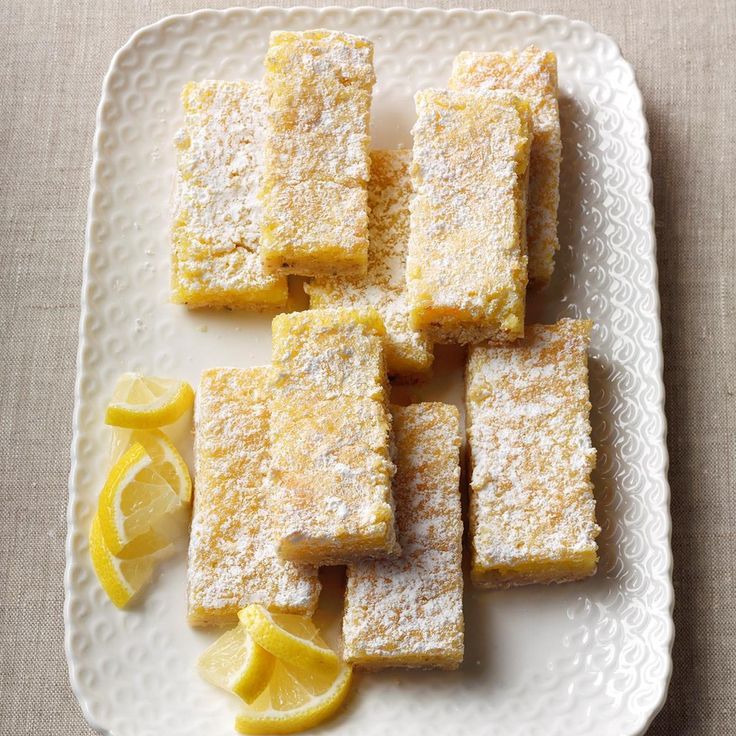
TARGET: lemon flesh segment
(146,402)
(120,579)
(167,460)
(236,663)
(148,543)
(134,499)
(290,637)
(295,699)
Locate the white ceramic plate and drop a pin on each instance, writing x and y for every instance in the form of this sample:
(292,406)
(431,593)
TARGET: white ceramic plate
(584,658)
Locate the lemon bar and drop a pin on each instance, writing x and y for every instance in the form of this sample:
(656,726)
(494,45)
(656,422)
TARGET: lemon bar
(408,612)
(408,351)
(532,511)
(215,234)
(331,468)
(232,548)
(319,85)
(532,74)
(467,264)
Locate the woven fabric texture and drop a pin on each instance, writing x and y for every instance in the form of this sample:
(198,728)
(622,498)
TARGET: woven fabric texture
(52,61)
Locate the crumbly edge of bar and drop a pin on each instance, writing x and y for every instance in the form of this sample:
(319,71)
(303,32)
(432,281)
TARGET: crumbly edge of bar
(312,551)
(465,334)
(291,262)
(441,660)
(492,579)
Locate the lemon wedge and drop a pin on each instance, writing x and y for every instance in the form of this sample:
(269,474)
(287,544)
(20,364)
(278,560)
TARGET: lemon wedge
(134,505)
(167,460)
(236,663)
(145,402)
(295,699)
(290,637)
(281,667)
(120,579)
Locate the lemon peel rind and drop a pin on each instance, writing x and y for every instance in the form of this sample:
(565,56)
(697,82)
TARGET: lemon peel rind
(251,684)
(133,460)
(119,414)
(299,719)
(108,573)
(297,652)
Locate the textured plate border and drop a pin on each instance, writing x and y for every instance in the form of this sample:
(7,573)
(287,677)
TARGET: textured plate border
(648,709)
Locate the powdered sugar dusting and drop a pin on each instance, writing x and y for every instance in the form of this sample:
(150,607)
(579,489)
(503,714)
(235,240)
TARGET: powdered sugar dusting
(528,429)
(319,86)
(408,351)
(408,611)
(315,228)
(331,478)
(466,268)
(233,559)
(330,468)
(216,215)
(329,353)
(532,74)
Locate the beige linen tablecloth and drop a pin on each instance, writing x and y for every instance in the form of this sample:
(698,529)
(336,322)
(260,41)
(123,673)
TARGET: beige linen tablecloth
(52,60)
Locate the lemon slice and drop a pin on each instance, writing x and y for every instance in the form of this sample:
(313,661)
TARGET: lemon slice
(290,637)
(166,458)
(135,498)
(144,402)
(120,579)
(295,699)
(236,663)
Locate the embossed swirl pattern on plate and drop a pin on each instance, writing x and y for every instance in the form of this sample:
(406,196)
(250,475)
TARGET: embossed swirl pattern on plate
(606,666)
